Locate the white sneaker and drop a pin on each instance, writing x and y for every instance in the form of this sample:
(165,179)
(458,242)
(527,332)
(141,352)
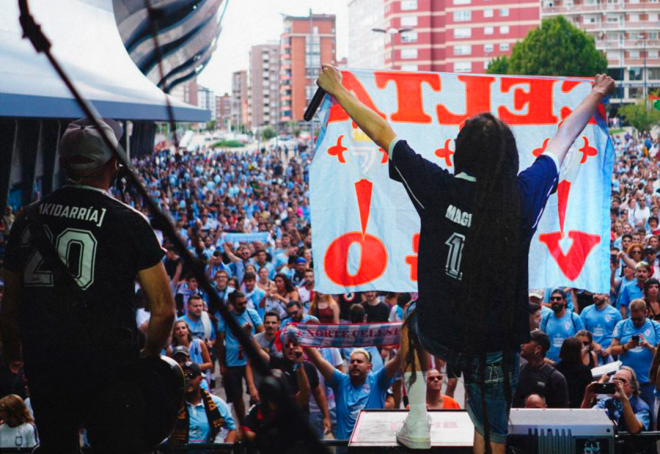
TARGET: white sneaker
(415,433)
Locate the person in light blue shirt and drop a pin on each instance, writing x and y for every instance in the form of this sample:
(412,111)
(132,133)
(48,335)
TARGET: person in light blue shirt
(359,389)
(296,314)
(230,352)
(600,319)
(253,293)
(634,340)
(560,324)
(207,417)
(375,357)
(570,294)
(633,290)
(627,394)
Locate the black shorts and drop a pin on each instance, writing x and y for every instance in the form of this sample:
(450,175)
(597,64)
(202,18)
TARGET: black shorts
(454,370)
(113,413)
(232,382)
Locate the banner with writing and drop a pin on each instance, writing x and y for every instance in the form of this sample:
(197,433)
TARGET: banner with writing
(348,335)
(366,230)
(245,237)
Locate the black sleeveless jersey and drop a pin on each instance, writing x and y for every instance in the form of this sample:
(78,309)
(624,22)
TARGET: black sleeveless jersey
(445,204)
(104,243)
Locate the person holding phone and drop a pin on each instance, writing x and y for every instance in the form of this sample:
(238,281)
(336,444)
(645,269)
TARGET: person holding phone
(623,403)
(635,340)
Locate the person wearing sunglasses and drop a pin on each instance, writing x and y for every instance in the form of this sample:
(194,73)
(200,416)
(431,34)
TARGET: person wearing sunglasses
(624,405)
(560,324)
(435,400)
(204,417)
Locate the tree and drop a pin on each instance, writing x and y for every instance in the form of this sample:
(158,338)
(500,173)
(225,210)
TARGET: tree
(640,115)
(499,65)
(267,133)
(556,48)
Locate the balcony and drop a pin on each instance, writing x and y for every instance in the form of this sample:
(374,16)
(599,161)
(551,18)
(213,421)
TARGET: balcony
(627,44)
(600,8)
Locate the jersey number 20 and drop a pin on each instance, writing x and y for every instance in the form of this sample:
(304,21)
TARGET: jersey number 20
(76,248)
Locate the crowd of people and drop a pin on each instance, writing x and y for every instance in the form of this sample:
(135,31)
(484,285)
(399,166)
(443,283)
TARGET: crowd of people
(247,216)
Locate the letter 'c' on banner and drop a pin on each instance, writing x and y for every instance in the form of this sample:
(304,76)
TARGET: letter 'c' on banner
(373,259)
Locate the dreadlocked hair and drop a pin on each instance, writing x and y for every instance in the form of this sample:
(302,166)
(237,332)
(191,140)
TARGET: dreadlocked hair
(486,149)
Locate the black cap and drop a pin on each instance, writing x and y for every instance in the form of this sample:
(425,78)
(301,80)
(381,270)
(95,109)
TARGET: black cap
(542,339)
(193,367)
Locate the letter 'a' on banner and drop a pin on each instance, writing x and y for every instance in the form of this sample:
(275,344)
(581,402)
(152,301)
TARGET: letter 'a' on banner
(366,230)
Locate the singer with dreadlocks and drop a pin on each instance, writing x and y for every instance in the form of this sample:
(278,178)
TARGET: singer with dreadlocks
(472,268)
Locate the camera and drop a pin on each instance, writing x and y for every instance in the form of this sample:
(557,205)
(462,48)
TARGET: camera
(635,338)
(604,388)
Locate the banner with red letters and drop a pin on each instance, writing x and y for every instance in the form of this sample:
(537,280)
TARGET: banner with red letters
(366,230)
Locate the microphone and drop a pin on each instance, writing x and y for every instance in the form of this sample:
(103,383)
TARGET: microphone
(314,104)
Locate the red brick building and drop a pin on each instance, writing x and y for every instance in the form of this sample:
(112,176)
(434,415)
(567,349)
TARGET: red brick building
(306,44)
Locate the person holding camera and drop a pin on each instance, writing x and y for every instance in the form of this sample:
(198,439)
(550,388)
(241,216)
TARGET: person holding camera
(634,340)
(624,404)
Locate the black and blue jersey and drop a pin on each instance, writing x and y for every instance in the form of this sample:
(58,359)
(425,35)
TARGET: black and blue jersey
(446,204)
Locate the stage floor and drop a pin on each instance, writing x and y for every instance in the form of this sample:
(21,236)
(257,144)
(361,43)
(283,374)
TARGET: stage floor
(375,431)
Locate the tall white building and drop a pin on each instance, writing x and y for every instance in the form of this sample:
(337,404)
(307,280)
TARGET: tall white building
(206,100)
(627,31)
(366,48)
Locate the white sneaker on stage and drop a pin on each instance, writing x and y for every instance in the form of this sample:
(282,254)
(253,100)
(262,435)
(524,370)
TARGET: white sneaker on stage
(415,434)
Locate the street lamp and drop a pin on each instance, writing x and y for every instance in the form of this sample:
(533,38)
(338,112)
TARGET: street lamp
(392,31)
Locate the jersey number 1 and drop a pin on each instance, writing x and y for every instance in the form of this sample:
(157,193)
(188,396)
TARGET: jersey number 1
(453,267)
(76,248)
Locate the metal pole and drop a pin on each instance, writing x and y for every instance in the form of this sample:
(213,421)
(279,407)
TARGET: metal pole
(311,79)
(645,90)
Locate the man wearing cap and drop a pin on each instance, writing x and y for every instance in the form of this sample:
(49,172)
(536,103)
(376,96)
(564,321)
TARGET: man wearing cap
(80,346)
(539,377)
(297,275)
(204,417)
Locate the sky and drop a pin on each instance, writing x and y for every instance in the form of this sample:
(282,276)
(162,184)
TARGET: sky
(250,22)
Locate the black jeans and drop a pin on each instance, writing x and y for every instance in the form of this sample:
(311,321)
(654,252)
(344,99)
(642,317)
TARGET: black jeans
(113,413)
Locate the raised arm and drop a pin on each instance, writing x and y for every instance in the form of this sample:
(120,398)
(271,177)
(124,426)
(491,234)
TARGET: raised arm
(326,369)
(578,119)
(369,121)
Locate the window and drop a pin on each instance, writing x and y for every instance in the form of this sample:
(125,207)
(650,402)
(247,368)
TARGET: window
(462,33)
(652,54)
(409,37)
(463,49)
(634,54)
(635,74)
(488,48)
(408,53)
(462,16)
(504,12)
(654,73)
(504,47)
(409,21)
(408,67)
(463,67)
(613,19)
(633,17)
(408,5)
(488,12)
(504,29)
(462,2)
(488,30)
